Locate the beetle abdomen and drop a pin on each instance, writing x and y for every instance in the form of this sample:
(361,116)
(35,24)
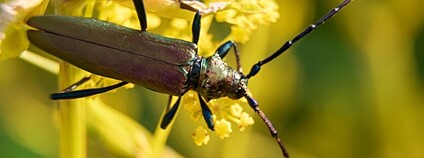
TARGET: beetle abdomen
(139,57)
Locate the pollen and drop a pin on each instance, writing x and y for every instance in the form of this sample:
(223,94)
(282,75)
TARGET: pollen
(200,136)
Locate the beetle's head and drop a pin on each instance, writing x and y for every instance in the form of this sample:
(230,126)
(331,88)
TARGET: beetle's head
(238,87)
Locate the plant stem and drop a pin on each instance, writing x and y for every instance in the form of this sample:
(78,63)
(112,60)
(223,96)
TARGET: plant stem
(72,117)
(73,130)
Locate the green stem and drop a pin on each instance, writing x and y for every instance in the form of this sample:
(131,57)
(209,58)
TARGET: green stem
(72,112)
(72,117)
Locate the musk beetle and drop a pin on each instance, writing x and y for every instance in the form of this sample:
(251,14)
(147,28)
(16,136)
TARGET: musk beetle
(159,63)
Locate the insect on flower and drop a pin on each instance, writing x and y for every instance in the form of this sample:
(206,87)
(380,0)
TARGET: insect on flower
(166,65)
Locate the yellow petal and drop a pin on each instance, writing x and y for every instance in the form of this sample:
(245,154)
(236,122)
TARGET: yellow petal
(13,16)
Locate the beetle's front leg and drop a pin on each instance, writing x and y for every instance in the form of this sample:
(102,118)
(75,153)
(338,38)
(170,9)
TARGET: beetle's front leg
(223,50)
(207,113)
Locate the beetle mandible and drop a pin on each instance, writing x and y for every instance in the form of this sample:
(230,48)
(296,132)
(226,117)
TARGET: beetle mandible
(159,63)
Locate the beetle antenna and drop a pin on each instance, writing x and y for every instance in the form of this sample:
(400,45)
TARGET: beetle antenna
(255,106)
(255,68)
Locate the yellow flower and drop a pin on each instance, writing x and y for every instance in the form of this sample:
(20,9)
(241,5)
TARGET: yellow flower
(13,16)
(245,120)
(225,110)
(236,110)
(200,136)
(191,104)
(223,128)
(246,15)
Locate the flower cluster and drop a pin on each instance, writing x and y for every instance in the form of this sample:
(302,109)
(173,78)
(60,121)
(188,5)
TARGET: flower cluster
(225,111)
(246,15)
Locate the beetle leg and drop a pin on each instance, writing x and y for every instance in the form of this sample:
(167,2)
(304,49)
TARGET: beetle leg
(255,106)
(195,28)
(223,50)
(75,85)
(169,115)
(207,113)
(141,13)
(85,92)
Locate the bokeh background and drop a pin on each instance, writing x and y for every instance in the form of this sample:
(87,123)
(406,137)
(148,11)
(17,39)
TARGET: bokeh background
(353,88)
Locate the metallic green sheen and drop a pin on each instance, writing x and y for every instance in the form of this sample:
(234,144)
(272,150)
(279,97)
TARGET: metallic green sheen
(218,80)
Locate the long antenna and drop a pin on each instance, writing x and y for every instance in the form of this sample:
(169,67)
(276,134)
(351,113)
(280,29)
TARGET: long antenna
(255,68)
(255,106)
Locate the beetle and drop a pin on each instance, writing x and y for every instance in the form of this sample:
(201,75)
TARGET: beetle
(159,63)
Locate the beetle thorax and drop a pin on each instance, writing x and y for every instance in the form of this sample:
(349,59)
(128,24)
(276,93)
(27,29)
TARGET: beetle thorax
(218,80)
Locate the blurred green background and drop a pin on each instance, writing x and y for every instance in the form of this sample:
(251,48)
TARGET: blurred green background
(353,88)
